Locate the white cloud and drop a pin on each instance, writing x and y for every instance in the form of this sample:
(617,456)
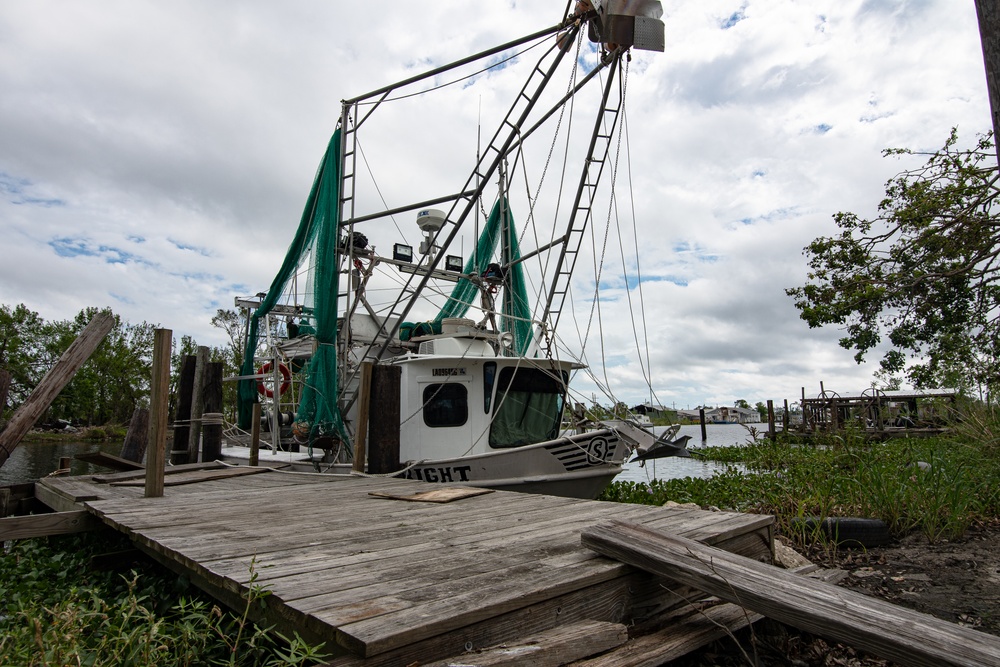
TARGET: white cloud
(155,157)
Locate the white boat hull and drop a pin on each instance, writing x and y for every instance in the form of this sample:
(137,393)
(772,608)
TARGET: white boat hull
(574,466)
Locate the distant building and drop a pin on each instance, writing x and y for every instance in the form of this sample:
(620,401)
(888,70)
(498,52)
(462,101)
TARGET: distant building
(723,415)
(651,410)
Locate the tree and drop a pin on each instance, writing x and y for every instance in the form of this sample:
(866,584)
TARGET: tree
(742,403)
(922,275)
(115,379)
(22,350)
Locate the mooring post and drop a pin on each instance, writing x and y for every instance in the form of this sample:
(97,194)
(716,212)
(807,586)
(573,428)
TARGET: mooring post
(255,435)
(137,437)
(182,418)
(805,413)
(785,418)
(197,403)
(211,426)
(383,431)
(770,420)
(364,403)
(159,393)
(701,418)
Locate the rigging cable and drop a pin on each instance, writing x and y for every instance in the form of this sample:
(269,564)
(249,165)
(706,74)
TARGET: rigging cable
(503,61)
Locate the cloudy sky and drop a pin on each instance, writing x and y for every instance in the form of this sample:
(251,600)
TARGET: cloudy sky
(155,158)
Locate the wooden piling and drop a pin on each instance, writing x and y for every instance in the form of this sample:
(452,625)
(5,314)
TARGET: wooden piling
(159,392)
(383,432)
(364,403)
(255,435)
(211,427)
(785,418)
(701,419)
(805,412)
(182,418)
(58,376)
(770,420)
(134,448)
(198,404)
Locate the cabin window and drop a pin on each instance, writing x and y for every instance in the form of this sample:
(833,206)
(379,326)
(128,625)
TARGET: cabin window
(446,404)
(489,375)
(528,407)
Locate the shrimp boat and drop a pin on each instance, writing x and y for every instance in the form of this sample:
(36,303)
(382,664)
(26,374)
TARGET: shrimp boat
(459,375)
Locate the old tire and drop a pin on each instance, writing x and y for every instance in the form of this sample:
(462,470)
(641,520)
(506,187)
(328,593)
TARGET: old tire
(849,532)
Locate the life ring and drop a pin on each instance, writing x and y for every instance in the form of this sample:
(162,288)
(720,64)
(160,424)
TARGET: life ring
(286,380)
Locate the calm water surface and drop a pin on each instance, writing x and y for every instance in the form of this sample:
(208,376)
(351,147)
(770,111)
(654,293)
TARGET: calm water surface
(675,468)
(32,460)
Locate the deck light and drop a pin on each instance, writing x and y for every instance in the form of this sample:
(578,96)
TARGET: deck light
(402,252)
(453,263)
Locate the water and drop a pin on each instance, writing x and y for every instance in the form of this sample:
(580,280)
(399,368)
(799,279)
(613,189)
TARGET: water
(32,460)
(719,435)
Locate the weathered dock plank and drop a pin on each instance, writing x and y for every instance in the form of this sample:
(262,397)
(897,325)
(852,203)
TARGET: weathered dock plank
(43,525)
(887,630)
(388,579)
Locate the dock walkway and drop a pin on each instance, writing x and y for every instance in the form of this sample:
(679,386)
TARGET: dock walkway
(384,581)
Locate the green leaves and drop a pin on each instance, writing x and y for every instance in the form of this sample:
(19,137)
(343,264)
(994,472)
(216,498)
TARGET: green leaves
(921,277)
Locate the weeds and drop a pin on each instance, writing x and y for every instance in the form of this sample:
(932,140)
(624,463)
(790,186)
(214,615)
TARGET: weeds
(56,610)
(938,487)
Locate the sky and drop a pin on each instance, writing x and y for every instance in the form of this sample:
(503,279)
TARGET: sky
(155,158)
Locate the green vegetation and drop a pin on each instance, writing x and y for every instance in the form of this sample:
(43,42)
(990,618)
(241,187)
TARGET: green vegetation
(843,475)
(55,609)
(921,276)
(115,379)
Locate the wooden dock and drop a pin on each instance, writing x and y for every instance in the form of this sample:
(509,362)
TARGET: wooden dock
(386,581)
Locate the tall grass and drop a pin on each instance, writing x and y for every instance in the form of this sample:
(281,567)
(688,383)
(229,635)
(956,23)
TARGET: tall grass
(57,610)
(936,486)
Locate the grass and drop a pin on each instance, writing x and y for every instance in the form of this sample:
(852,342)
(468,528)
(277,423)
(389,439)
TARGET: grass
(845,476)
(55,609)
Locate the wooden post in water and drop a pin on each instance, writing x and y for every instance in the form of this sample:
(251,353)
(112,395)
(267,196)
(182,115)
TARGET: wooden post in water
(784,418)
(255,435)
(364,403)
(159,391)
(805,413)
(182,418)
(701,418)
(65,462)
(383,430)
(58,376)
(211,428)
(198,403)
(137,437)
(770,420)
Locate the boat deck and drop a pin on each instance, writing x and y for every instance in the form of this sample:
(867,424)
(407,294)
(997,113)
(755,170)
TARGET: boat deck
(354,562)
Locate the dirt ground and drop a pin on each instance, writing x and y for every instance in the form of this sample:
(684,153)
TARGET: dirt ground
(956,581)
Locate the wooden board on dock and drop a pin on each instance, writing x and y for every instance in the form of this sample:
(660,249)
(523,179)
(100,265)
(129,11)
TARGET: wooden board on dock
(445,495)
(386,581)
(889,631)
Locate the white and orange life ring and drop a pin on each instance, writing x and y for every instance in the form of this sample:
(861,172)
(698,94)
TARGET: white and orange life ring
(286,380)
